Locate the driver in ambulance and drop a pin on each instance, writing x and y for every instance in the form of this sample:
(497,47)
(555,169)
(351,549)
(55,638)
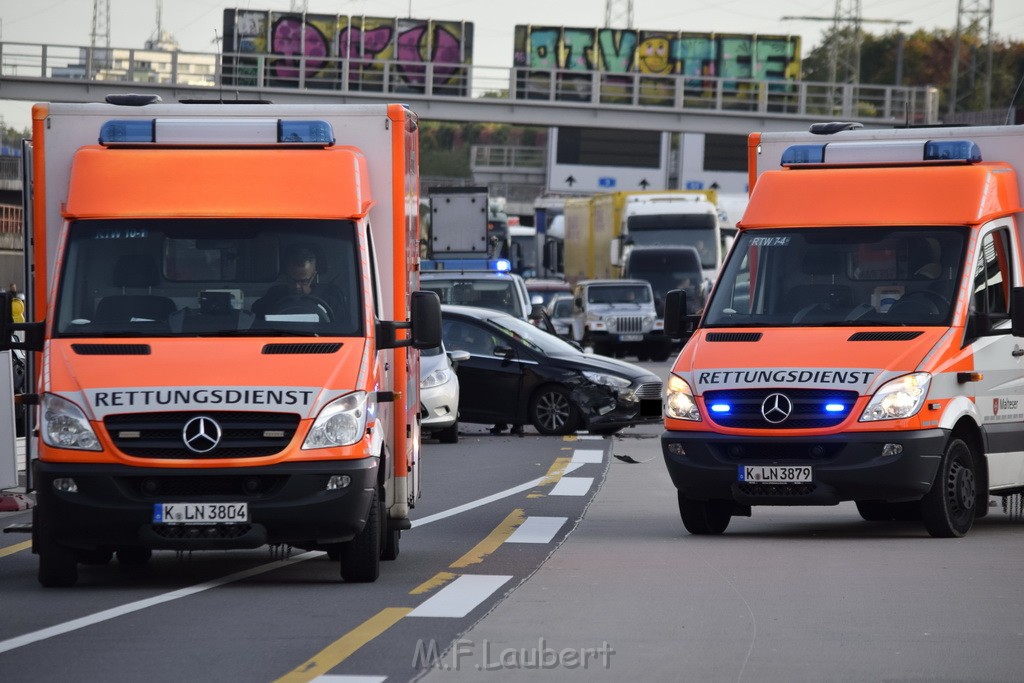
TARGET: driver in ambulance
(301,283)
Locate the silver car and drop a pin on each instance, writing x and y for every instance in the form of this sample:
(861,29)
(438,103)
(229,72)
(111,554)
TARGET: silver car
(439,393)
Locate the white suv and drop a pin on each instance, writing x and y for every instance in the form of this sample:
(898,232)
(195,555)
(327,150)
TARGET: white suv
(617,317)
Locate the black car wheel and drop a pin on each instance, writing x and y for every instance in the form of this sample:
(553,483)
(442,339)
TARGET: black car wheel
(552,411)
(704,517)
(449,434)
(948,508)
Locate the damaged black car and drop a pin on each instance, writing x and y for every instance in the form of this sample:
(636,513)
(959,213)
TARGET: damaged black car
(519,374)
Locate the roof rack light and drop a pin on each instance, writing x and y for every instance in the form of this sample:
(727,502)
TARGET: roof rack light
(217,132)
(877,152)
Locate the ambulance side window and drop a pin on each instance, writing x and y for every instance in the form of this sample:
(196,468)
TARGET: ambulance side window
(992,277)
(374,276)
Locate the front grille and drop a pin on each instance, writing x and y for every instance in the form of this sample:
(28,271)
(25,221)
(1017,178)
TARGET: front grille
(193,531)
(808,408)
(773,451)
(111,349)
(629,324)
(777,490)
(224,487)
(734,336)
(159,435)
(649,390)
(884,336)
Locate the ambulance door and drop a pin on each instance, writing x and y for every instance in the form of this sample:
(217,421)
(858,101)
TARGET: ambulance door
(998,355)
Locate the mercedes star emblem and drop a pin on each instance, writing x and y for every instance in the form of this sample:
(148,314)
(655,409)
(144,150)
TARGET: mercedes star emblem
(776,408)
(201,434)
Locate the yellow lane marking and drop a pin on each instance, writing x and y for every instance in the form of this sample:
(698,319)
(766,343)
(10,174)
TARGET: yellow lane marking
(569,437)
(439,579)
(555,472)
(493,540)
(343,648)
(11,549)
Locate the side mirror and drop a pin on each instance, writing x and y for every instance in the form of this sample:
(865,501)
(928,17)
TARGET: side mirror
(32,332)
(458,356)
(1017,311)
(676,323)
(425,320)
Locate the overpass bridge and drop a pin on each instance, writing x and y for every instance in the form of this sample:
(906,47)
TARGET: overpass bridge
(462,92)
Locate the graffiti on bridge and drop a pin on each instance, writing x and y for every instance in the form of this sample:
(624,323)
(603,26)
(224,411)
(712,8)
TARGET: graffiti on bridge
(550,60)
(346,52)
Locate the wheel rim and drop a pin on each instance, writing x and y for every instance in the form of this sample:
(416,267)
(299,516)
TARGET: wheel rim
(960,489)
(553,410)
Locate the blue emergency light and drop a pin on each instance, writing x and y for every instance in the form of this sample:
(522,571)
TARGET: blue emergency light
(834,407)
(874,152)
(721,408)
(217,132)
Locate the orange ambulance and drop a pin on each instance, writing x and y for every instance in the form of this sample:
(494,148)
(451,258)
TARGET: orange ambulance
(224,307)
(865,340)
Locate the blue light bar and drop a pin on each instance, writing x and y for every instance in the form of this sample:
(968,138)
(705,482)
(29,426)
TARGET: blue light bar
(803,154)
(132,131)
(721,408)
(501,265)
(217,131)
(952,150)
(305,132)
(834,407)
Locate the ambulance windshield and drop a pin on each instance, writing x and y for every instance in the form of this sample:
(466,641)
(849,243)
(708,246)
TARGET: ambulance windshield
(840,276)
(208,277)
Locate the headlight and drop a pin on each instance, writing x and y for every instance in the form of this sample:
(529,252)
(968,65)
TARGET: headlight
(679,403)
(613,381)
(898,398)
(341,422)
(64,425)
(436,378)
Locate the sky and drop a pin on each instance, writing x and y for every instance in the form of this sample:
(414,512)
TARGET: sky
(196,24)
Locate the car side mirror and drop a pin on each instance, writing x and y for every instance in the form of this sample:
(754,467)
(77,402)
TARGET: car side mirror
(31,338)
(458,356)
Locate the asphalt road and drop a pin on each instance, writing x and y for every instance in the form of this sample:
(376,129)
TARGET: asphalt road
(546,558)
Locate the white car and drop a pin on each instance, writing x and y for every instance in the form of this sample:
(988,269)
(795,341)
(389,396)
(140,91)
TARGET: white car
(439,393)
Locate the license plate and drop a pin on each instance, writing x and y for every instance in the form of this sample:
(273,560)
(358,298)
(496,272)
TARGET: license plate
(631,337)
(200,513)
(775,474)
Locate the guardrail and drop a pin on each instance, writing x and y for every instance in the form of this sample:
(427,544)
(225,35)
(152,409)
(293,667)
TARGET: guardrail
(259,73)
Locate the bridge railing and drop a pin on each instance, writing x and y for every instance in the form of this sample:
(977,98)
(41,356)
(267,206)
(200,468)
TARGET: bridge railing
(264,73)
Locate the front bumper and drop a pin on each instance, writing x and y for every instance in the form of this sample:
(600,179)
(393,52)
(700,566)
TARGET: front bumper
(288,503)
(603,409)
(847,466)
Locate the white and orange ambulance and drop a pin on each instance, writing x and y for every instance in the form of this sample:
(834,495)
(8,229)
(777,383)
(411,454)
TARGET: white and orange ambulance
(865,340)
(224,309)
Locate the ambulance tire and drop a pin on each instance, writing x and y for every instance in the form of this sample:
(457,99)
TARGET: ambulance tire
(875,511)
(360,557)
(948,508)
(58,567)
(390,549)
(704,517)
(134,557)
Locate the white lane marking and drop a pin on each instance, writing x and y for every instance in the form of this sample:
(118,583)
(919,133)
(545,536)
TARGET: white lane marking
(461,596)
(74,625)
(477,503)
(587,456)
(537,530)
(571,467)
(339,678)
(589,437)
(572,486)
(114,612)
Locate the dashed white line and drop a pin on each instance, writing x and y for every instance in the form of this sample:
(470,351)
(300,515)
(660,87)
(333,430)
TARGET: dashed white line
(537,530)
(461,596)
(572,486)
(587,456)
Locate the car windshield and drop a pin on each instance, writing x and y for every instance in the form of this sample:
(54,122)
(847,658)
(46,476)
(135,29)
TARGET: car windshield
(209,277)
(533,337)
(618,294)
(839,276)
(497,294)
